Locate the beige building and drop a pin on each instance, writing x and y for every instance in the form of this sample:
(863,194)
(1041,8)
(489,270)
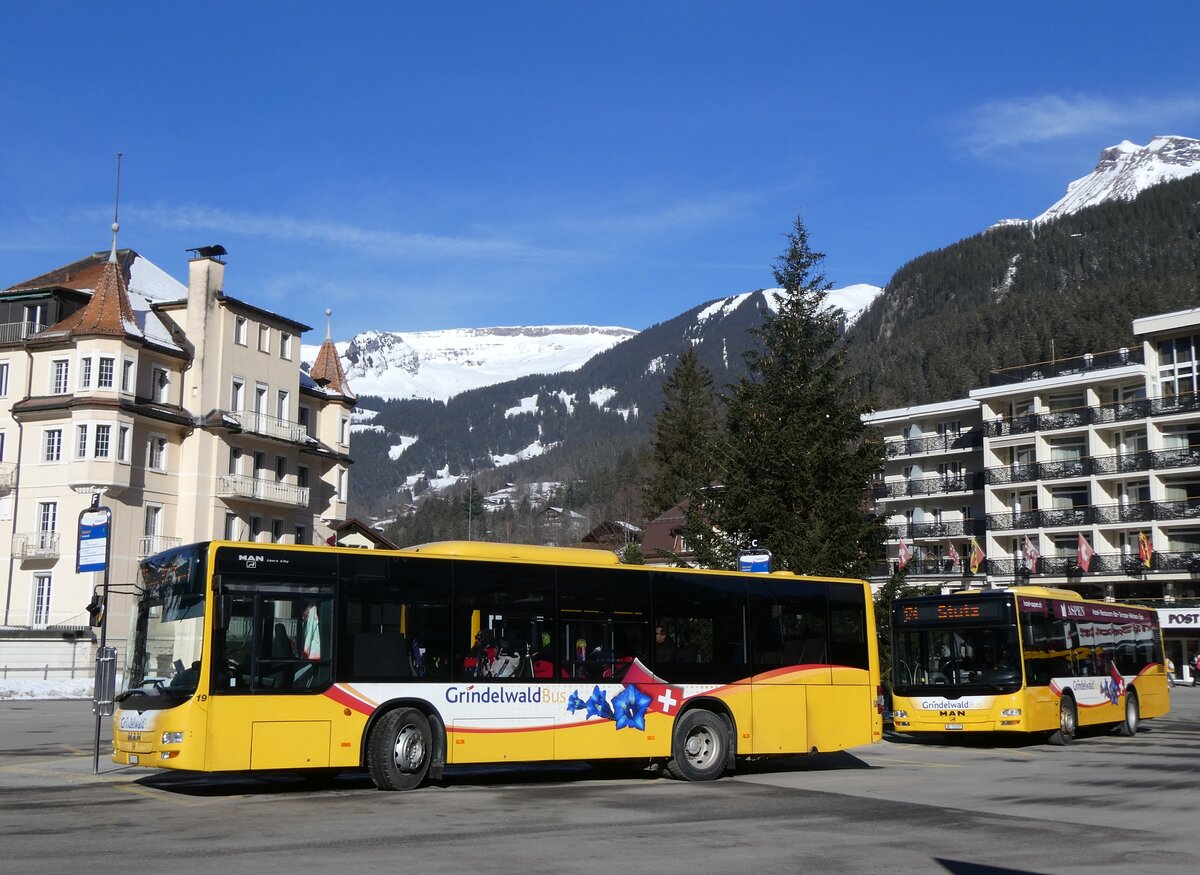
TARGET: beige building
(1081,473)
(183,408)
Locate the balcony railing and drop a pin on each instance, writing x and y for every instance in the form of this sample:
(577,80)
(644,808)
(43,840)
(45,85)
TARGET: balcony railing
(964,482)
(271,426)
(148,545)
(257,489)
(1123,411)
(11,332)
(1022,473)
(36,545)
(1078,365)
(934,443)
(1100,514)
(1124,463)
(8,476)
(1102,563)
(952,529)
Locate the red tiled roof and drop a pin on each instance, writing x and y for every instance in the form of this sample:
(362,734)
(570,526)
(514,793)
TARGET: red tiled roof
(108,312)
(327,370)
(83,274)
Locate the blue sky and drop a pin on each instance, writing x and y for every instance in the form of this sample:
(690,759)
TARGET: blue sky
(438,165)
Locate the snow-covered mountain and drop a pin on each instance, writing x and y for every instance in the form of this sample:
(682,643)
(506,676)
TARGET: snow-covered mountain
(1123,172)
(442,364)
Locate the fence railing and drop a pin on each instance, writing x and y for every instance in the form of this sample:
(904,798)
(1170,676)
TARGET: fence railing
(934,443)
(258,489)
(36,545)
(11,332)
(148,545)
(271,426)
(964,482)
(1062,367)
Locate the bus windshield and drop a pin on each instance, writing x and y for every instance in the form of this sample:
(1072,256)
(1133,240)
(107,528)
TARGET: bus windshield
(166,637)
(986,658)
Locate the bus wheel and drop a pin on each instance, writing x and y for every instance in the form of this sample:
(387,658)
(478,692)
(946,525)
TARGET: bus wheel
(399,750)
(699,746)
(1068,721)
(1133,715)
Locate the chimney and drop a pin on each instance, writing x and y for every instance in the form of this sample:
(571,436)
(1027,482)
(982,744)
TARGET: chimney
(206,281)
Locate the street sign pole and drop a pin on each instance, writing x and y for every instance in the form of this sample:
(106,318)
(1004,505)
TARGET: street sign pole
(92,554)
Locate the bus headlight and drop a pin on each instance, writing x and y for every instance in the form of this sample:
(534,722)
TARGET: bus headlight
(1011,712)
(172,738)
(899,715)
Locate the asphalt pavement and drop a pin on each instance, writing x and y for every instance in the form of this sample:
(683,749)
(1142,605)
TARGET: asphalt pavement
(973,805)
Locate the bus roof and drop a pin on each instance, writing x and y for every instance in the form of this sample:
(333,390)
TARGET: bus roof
(1045,592)
(519,552)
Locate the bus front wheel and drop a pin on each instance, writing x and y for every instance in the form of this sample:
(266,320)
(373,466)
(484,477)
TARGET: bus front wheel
(699,746)
(1133,716)
(1068,721)
(399,750)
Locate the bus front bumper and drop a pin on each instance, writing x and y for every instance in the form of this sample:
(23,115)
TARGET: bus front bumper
(988,722)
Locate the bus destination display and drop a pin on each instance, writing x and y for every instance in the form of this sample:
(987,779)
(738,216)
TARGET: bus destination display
(951,611)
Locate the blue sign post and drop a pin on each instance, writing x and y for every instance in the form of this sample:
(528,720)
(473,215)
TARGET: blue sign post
(92,554)
(755,559)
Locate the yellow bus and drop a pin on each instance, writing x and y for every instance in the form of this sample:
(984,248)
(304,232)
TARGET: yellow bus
(1025,659)
(247,657)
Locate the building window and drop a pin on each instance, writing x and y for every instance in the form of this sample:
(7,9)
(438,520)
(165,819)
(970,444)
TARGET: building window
(302,476)
(153,521)
(158,453)
(81,441)
(62,371)
(127,375)
(41,599)
(231,526)
(283,405)
(276,531)
(264,338)
(104,375)
(85,372)
(304,419)
(3,379)
(256,527)
(52,450)
(285,345)
(161,387)
(239,330)
(123,443)
(341,484)
(301,535)
(1,446)
(344,431)
(103,433)
(280,468)
(237,395)
(235,460)
(260,462)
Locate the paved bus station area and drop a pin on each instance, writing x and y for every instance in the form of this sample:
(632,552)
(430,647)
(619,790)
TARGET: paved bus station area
(973,805)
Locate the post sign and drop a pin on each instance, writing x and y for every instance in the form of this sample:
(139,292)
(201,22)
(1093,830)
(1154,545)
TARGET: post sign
(92,554)
(756,560)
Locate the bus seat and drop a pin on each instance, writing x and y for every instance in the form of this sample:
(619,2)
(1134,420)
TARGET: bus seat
(382,655)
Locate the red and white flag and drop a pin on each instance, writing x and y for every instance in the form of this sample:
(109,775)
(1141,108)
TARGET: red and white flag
(664,698)
(1116,676)
(905,554)
(1085,552)
(1031,553)
(955,559)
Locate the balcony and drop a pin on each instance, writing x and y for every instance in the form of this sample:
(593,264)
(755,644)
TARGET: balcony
(965,482)
(1023,473)
(934,443)
(8,477)
(270,426)
(1098,514)
(36,545)
(1063,367)
(952,529)
(149,545)
(1124,411)
(257,489)
(1122,463)
(14,332)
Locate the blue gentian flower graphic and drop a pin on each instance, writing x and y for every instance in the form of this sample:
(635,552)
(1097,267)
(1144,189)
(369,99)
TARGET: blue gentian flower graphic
(574,703)
(597,705)
(630,706)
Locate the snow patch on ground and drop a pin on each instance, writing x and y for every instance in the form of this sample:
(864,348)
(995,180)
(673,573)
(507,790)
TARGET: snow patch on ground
(396,450)
(602,396)
(527,405)
(61,688)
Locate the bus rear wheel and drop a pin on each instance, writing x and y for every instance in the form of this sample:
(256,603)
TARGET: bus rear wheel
(399,750)
(1068,721)
(699,746)
(1133,716)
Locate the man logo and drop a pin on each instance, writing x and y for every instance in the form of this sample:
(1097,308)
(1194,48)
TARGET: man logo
(952,713)
(251,561)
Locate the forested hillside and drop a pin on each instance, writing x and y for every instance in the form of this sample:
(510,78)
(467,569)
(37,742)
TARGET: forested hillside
(1023,294)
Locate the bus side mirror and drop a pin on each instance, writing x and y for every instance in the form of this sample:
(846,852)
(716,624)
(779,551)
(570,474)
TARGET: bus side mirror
(223,607)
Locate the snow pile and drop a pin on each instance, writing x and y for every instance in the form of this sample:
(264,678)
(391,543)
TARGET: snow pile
(55,688)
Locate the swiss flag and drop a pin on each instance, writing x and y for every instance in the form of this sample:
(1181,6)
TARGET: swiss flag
(905,554)
(664,698)
(1118,679)
(1085,553)
(955,559)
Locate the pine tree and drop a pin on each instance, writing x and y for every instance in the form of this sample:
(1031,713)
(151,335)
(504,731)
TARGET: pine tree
(684,431)
(796,457)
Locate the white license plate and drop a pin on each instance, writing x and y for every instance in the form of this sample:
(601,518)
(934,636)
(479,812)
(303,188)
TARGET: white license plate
(133,759)
(954,726)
